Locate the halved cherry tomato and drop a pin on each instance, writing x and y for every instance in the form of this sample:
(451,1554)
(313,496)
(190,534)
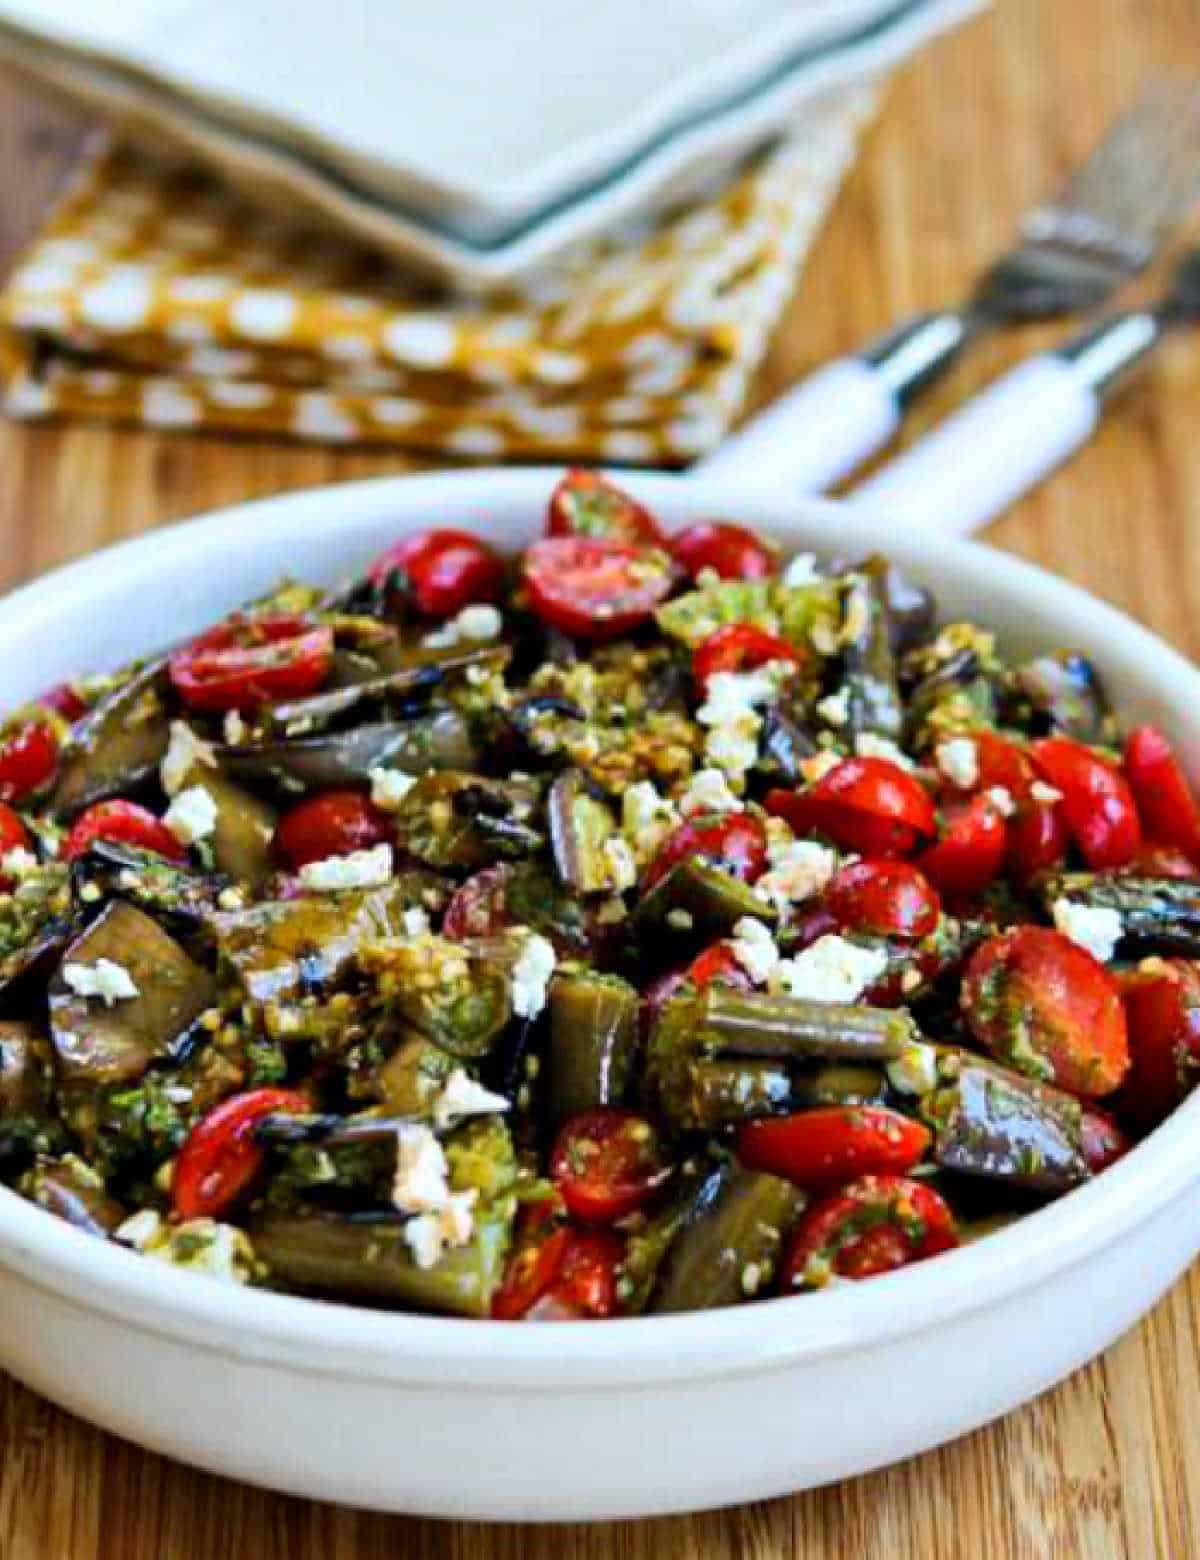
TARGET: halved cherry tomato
(1165,804)
(735,842)
(969,853)
(1102,1140)
(1162,1008)
(13,836)
(870,805)
(731,551)
(718,965)
(440,572)
(1097,803)
(607,1163)
(586,504)
(126,823)
(28,756)
(592,588)
(874,1225)
(331,824)
(64,701)
(834,1143)
(249,661)
(886,898)
(739,647)
(1046,1007)
(479,907)
(1168,861)
(1036,833)
(539,1244)
(586,1283)
(220,1156)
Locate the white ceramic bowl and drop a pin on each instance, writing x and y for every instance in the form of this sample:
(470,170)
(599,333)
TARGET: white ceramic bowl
(577,1420)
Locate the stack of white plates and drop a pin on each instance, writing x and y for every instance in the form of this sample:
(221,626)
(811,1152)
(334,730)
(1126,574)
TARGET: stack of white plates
(476,139)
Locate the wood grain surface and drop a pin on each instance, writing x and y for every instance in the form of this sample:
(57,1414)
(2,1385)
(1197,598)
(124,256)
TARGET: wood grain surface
(1108,1464)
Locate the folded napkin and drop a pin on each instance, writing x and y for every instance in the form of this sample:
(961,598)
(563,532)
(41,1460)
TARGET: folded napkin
(157,295)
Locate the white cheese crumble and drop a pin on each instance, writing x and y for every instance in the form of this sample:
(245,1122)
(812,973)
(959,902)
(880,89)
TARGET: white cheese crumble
(234,727)
(428,1234)
(462,1096)
(799,870)
(754,949)
(1041,792)
(622,868)
(185,752)
(192,815)
(359,869)
(958,760)
(109,981)
(832,970)
(708,792)
(801,570)
(531,976)
(1001,799)
(476,623)
(834,708)
(646,818)
(415,922)
(729,712)
(17,862)
(420,1187)
(389,787)
(1096,928)
(867,744)
(915,1070)
(199,1245)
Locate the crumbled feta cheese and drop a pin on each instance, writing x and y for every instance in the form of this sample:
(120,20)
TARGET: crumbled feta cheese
(915,1070)
(819,765)
(834,708)
(754,949)
(646,818)
(234,727)
(462,1096)
(622,868)
(17,862)
(140,1229)
(389,787)
(1001,799)
(429,1234)
(531,976)
(708,792)
(680,919)
(359,869)
(801,570)
(415,922)
(192,815)
(752,1277)
(734,749)
(199,1245)
(832,970)
(729,712)
(799,870)
(479,621)
(868,745)
(958,760)
(419,1184)
(185,752)
(443,638)
(105,979)
(1096,928)
(231,899)
(1041,792)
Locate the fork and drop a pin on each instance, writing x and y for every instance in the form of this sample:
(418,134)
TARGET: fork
(1071,254)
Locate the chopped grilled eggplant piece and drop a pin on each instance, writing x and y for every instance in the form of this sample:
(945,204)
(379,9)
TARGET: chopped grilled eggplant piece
(461,820)
(785,743)
(37,921)
(911,608)
(28,1124)
(415,680)
(456,995)
(695,902)
(593,1041)
(72,1190)
(444,740)
(956,695)
(413,1076)
(182,899)
(118,744)
(1159,914)
(245,826)
(730,1245)
(1064,692)
(96,1044)
(369,1258)
(869,662)
(994,1123)
(580,827)
(649,1241)
(285,947)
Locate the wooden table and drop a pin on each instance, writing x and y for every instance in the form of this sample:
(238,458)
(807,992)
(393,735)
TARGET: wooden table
(1109,1463)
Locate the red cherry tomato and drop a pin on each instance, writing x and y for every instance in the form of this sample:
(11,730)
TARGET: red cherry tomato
(220,1156)
(874,1225)
(586,1284)
(586,504)
(246,662)
(886,898)
(736,842)
(479,907)
(1162,1008)
(1097,803)
(739,647)
(969,854)
(832,1144)
(607,1163)
(1165,804)
(869,805)
(125,823)
(594,589)
(13,836)
(731,551)
(331,824)
(538,1248)
(440,572)
(1046,1007)
(1036,832)
(718,965)
(64,701)
(1103,1142)
(1163,861)
(28,758)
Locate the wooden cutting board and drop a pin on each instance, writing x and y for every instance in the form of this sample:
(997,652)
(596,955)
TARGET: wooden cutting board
(1107,1464)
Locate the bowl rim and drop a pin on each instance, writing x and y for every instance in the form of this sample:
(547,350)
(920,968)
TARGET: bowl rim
(330,1338)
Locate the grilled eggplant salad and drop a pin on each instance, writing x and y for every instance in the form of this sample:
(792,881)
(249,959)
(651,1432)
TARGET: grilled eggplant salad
(636,925)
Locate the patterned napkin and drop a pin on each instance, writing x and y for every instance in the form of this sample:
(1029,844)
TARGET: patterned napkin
(156,295)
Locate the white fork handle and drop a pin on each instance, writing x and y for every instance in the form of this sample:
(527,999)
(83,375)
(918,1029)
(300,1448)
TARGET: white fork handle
(815,434)
(995,448)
